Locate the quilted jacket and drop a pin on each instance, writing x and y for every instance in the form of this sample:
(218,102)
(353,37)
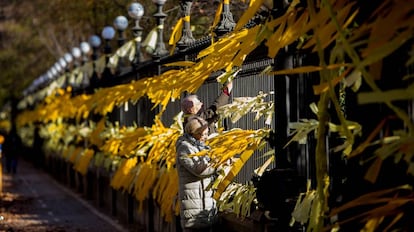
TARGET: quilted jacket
(197,206)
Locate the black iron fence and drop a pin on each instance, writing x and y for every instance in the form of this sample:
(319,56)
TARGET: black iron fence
(292,95)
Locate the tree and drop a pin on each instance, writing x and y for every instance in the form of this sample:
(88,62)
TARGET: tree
(35,34)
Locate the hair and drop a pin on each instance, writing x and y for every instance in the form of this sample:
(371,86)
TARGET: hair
(195,124)
(187,103)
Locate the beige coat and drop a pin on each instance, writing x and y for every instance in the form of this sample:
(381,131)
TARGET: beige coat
(197,206)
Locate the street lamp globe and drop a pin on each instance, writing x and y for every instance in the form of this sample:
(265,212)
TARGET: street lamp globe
(121,23)
(108,33)
(95,41)
(68,58)
(58,67)
(135,10)
(49,74)
(62,62)
(36,82)
(84,47)
(43,79)
(76,52)
(53,71)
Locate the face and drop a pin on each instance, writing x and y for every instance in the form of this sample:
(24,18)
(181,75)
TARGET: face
(202,135)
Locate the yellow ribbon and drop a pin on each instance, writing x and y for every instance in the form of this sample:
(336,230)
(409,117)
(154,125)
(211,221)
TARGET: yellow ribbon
(177,32)
(218,14)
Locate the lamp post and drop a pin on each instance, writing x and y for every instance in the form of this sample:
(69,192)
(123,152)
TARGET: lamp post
(95,42)
(49,74)
(63,64)
(76,53)
(226,23)
(53,72)
(187,36)
(68,58)
(59,73)
(120,24)
(85,48)
(136,11)
(42,80)
(58,67)
(160,16)
(108,33)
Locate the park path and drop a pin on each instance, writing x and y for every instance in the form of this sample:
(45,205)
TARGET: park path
(33,201)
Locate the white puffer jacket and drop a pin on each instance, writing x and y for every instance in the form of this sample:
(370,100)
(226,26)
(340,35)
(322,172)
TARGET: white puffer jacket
(198,208)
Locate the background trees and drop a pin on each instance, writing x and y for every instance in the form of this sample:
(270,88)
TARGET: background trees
(35,34)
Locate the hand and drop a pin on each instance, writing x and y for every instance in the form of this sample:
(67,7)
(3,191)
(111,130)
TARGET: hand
(229,86)
(232,160)
(228,162)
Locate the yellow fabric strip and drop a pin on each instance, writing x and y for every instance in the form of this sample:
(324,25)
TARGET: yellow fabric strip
(217,16)
(176,32)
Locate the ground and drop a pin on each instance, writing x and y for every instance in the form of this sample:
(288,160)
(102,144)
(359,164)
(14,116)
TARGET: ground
(32,201)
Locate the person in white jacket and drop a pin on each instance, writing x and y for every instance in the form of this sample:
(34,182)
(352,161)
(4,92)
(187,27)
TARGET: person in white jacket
(198,210)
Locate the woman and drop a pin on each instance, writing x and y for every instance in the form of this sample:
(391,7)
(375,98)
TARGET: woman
(192,106)
(198,208)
